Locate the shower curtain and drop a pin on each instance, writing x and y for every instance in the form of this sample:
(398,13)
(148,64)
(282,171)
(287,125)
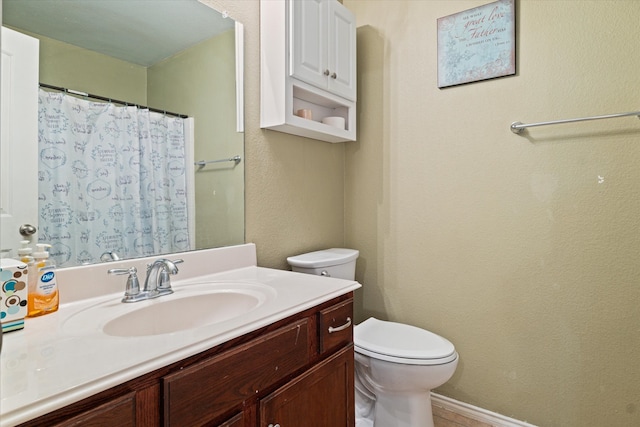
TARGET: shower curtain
(111,179)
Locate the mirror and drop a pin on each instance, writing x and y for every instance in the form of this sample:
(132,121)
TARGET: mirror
(177,56)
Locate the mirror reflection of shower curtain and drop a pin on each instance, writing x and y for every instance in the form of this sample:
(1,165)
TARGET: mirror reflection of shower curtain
(111,178)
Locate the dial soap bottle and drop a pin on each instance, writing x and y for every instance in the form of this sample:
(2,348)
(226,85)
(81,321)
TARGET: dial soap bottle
(44,298)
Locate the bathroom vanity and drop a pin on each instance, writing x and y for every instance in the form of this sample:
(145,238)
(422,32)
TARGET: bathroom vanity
(286,361)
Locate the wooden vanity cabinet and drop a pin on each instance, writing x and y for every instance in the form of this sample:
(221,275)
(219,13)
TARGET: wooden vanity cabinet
(294,372)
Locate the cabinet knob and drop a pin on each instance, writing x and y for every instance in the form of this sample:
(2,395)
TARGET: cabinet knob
(326,72)
(273,425)
(334,76)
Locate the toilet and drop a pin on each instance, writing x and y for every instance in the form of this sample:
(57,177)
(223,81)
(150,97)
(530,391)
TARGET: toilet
(396,365)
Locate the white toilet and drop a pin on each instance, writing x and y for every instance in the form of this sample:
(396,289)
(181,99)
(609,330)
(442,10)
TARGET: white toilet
(397,365)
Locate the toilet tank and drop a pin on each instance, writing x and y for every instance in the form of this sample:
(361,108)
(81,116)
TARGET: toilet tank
(335,262)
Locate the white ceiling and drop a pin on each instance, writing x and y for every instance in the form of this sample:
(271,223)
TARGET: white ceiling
(138,31)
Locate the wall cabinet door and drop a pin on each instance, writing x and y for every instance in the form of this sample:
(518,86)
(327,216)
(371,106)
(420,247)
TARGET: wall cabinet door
(323,396)
(341,53)
(323,46)
(308,42)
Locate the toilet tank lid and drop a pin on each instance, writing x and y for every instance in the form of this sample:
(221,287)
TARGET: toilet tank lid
(324,258)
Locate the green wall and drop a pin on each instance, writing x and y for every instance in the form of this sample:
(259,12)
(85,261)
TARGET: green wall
(72,67)
(520,249)
(196,82)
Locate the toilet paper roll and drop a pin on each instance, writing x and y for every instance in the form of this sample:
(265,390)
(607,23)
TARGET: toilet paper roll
(337,122)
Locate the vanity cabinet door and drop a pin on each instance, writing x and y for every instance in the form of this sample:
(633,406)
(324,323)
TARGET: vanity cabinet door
(205,392)
(323,396)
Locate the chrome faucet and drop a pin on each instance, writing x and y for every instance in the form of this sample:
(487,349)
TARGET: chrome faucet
(161,282)
(109,256)
(157,283)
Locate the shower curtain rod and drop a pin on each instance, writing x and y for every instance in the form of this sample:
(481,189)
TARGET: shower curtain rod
(115,101)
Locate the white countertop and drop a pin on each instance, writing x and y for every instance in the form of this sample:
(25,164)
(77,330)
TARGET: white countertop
(49,364)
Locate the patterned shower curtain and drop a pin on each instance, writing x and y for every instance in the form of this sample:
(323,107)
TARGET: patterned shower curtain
(111,179)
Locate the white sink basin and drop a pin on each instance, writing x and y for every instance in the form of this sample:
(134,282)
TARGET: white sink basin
(173,315)
(189,307)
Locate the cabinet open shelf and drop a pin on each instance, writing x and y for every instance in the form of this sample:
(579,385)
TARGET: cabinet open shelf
(298,96)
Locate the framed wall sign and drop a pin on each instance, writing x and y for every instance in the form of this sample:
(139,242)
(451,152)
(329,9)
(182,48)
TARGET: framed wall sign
(477,44)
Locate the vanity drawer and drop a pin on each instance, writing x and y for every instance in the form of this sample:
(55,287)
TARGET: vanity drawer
(203,392)
(336,326)
(119,412)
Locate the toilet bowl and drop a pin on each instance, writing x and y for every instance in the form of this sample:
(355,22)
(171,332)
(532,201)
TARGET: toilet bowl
(396,365)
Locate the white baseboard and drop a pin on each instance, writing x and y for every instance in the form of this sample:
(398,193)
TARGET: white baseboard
(475,413)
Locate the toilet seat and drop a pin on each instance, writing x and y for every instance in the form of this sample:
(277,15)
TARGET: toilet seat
(400,343)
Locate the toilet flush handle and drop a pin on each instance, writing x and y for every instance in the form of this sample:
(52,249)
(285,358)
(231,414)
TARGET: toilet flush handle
(325,273)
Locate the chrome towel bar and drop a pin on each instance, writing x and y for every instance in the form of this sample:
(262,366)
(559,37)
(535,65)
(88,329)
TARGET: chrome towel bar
(517,127)
(235,159)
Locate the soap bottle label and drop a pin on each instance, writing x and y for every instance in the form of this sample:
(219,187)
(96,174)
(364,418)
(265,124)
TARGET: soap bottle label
(46,281)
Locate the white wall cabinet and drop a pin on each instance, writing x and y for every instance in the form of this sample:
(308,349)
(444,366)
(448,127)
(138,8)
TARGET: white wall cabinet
(323,46)
(308,61)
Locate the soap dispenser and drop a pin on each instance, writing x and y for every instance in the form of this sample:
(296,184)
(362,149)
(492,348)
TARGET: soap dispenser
(25,254)
(44,299)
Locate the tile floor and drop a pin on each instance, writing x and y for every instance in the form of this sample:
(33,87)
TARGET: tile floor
(445,418)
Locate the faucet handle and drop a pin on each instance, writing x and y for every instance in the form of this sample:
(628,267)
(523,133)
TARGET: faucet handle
(172,265)
(166,262)
(119,271)
(132,288)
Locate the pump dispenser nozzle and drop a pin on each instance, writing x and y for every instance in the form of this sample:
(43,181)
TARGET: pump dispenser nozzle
(24,250)
(42,250)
